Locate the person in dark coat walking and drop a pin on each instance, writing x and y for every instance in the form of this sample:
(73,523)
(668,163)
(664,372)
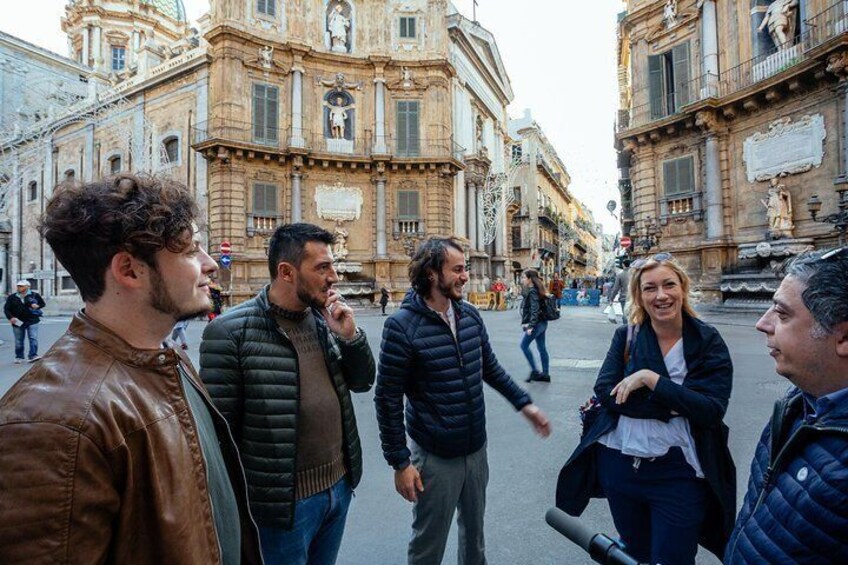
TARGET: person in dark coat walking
(534,325)
(436,353)
(384,299)
(23,310)
(658,448)
(796,508)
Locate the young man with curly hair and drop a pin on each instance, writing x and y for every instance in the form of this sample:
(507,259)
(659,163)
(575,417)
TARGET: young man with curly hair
(111,450)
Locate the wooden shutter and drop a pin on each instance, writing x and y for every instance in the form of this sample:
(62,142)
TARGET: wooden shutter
(686,174)
(265,113)
(264,199)
(407,127)
(670,177)
(656,85)
(680,73)
(408,205)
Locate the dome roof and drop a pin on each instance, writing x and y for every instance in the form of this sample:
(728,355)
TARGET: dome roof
(172,8)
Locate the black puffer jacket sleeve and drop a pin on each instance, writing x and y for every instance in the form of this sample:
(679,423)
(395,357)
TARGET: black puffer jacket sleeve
(221,373)
(496,377)
(357,362)
(394,371)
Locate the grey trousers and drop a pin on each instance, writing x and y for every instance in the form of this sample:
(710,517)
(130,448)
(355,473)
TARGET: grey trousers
(450,485)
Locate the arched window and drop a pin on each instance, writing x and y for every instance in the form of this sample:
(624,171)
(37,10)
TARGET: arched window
(70,175)
(115,164)
(172,149)
(32,191)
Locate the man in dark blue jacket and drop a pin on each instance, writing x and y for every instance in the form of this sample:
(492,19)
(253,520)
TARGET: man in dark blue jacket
(436,352)
(796,509)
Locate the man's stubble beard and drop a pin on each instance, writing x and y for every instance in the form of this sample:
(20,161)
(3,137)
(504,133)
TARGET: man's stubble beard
(306,297)
(446,290)
(163,302)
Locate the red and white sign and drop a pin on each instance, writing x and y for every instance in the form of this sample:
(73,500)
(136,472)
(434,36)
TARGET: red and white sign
(625,242)
(226,248)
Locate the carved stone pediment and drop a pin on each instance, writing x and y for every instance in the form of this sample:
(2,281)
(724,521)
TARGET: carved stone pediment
(407,81)
(339,82)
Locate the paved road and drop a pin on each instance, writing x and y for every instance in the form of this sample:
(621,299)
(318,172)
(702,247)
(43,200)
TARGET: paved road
(523,468)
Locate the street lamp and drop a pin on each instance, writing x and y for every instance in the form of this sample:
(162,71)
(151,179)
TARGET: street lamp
(838,219)
(652,235)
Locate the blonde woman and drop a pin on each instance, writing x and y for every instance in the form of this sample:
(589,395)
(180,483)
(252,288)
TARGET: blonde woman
(658,448)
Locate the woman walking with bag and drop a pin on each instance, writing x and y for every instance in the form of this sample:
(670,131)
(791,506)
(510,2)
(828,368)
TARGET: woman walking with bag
(534,324)
(657,446)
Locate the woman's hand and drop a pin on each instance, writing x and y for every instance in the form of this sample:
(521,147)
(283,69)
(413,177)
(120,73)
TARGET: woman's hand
(637,380)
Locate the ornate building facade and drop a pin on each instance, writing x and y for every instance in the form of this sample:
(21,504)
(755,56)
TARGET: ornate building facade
(381,121)
(731,128)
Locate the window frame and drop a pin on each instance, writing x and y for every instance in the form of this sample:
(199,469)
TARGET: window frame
(403,201)
(669,76)
(121,51)
(111,161)
(407,144)
(266,13)
(174,140)
(676,162)
(264,212)
(32,191)
(404,28)
(267,103)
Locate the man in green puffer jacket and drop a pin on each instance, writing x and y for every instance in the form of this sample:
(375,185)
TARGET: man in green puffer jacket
(280,368)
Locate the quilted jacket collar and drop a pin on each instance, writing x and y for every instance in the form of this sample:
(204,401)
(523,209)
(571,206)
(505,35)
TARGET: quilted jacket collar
(415,302)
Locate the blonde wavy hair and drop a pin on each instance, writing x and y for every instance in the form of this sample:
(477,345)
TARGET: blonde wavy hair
(636,312)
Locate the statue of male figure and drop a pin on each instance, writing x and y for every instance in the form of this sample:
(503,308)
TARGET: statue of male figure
(780,20)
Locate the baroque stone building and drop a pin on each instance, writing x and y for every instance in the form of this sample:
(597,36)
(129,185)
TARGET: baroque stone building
(379,120)
(732,119)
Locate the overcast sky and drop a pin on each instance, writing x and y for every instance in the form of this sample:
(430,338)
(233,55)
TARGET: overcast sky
(559,54)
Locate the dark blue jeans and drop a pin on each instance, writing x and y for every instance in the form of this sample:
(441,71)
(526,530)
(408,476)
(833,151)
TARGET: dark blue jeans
(316,536)
(658,508)
(32,332)
(538,336)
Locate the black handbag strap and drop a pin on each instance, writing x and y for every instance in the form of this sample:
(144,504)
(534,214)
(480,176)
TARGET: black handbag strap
(632,332)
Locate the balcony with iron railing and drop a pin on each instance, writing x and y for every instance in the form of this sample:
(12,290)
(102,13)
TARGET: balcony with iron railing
(254,137)
(778,63)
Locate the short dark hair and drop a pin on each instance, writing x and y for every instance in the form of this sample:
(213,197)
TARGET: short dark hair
(826,280)
(430,256)
(288,242)
(87,224)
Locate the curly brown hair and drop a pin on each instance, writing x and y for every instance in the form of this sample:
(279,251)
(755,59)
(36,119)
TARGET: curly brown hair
(430,258)
(87,224)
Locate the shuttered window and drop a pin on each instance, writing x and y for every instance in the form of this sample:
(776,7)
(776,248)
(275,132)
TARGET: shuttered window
(408,205)
(679,176)
(265,113)
(668,81)
(267,7)
(407,28)
(264,199)
(407,128)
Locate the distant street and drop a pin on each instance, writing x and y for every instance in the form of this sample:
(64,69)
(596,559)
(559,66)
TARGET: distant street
(523,468)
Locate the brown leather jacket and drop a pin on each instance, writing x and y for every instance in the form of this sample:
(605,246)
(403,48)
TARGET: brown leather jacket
(100,461)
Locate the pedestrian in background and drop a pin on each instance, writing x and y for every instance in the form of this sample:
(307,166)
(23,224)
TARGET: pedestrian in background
(109,445)
(23,310)
(534,325)
(796,508)
(281,368)
(178,334)
(658,448)
(384,299)
(619,291)
(556,286)
(436,353)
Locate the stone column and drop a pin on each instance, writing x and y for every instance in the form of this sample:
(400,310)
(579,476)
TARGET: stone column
(297,138)
(712,186)
(709,48)
(481,230)
(88,172)
(85,47)
(471,211)
(460,215)
(380,147)
(97,55)
(297,197)
(843,91)
(381,217)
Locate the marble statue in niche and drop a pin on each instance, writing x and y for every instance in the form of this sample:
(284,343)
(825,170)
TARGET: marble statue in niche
(266,56)
(670,14)
(338,117)
(338,26)
(340,250)
(779,210)
(780,20)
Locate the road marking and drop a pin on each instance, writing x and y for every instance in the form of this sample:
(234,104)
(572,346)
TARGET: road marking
(578,363)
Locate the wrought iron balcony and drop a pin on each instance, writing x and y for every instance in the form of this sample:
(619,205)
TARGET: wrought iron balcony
(820,29)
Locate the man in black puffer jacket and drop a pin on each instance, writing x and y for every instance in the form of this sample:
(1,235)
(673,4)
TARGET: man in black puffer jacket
(436,352)
(280,368)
